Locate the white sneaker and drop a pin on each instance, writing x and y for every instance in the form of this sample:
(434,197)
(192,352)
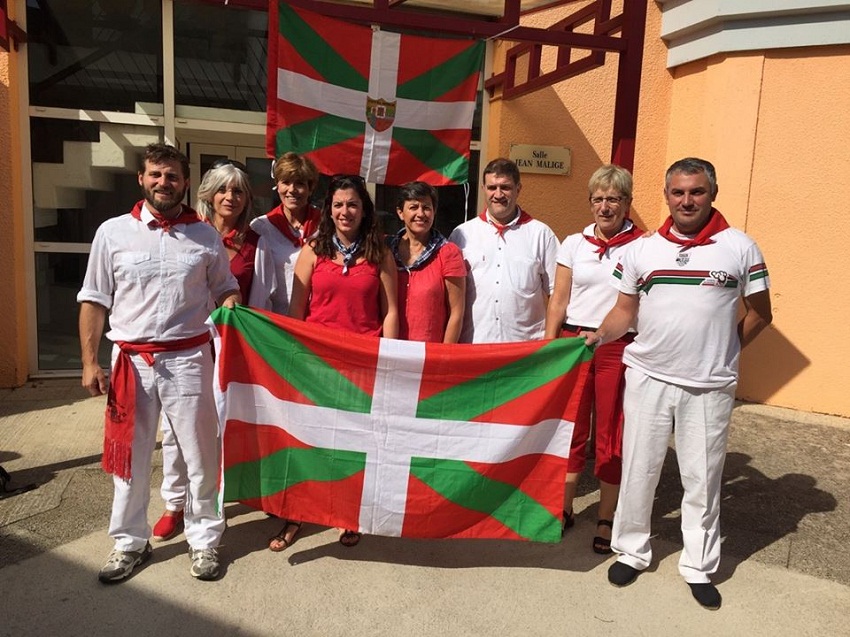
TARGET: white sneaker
(204,563)
(120,564)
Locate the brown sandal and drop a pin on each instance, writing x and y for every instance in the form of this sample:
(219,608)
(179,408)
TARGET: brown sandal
(279,542)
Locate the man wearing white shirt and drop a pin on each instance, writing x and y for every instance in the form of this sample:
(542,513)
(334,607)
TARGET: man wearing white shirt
(153,271)
(683,286)
(511,260)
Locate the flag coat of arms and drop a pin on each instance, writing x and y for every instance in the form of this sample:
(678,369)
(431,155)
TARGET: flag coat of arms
(392,108)
(392,437)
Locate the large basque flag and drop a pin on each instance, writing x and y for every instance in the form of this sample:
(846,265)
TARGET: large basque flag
(396,437)
(392,108)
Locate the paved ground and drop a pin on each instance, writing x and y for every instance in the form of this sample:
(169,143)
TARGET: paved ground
(786,567)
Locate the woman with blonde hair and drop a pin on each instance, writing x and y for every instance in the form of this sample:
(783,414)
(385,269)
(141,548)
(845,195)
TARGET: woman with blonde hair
(583,295)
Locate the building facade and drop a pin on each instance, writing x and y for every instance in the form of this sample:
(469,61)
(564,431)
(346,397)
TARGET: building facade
(760,91)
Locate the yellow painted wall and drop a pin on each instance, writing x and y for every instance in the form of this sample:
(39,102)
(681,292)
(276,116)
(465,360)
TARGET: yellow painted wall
(13,334)
(775,126)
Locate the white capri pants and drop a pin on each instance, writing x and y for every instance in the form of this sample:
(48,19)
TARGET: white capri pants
(179,384)
(701,417)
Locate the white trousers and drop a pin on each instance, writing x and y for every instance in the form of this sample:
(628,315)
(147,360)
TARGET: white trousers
(179,384)
(701,417)
(174,480)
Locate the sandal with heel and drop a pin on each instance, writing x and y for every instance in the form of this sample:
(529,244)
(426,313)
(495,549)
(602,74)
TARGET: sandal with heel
(602,545)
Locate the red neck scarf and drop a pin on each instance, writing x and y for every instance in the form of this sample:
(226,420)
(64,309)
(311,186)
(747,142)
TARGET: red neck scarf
(230,240)
(628,233)
(501,228)
(121,401)
(278,219)
(716,223)
(187,215)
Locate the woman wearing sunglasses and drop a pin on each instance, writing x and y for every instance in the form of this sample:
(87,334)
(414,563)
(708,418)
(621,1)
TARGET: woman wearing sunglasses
(284,231)
(225,201)
(584,294)
(431,271)
(345,278)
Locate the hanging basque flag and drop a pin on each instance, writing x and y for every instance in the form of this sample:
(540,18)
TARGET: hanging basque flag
(396,438)
(392,108)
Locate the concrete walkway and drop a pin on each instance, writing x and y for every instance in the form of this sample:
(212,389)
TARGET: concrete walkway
(785,571)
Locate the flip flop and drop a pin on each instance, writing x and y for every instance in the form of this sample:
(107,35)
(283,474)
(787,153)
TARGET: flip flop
(349,538)
(279,542)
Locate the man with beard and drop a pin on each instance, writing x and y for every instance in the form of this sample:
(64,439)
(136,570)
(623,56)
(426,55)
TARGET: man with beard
(154,271)
(683,287)
(511,260)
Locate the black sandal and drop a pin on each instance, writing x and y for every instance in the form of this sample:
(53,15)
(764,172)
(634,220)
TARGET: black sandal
(279,542)
(602,545)
(569,521)
(349,538)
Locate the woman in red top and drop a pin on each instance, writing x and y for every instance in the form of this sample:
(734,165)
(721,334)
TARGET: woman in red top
(344,277)
(431,271)
(226,202)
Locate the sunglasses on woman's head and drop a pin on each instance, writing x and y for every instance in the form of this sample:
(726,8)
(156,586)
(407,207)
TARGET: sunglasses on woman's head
(218,163)
(355,178)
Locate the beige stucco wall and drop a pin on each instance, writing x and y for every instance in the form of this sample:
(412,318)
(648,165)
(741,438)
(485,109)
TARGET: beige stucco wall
(13,336)
(775,126)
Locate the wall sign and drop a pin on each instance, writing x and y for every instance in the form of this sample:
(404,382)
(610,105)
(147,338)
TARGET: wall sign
(547,160)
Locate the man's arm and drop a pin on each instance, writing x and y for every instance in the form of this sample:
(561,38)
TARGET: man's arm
(758,316)
(92,320)
(617,322)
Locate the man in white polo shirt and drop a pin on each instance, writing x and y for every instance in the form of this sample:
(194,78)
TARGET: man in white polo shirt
(683,285)
(511,260)
(154,271)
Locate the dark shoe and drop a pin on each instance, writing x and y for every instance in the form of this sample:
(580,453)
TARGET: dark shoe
(621,574)
(120,564)
(349,538)
(569,521)
(707,595)
(279,542)
(602,545)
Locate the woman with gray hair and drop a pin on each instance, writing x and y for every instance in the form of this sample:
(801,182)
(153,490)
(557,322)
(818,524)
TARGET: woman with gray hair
(225,202)
(582,297)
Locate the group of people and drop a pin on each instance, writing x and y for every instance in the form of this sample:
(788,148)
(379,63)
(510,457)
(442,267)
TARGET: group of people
(661,358)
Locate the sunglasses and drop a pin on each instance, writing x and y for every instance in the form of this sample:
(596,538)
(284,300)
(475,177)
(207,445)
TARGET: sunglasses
(218,163)
(355,178)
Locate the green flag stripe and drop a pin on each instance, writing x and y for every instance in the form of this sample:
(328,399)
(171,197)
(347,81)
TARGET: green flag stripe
(470,399)
(428,149)
(287,467)
(441,79)
(458,482)
(317,133)
(333,67)
(664,280)
(318,381)
(755,276)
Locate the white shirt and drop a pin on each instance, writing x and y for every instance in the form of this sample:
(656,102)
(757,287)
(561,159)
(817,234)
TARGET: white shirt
(274,268)
(157,284)
(689,301)
(591,295)
(510,279)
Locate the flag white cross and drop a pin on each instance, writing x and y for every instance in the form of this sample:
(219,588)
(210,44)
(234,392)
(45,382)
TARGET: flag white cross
(391,434)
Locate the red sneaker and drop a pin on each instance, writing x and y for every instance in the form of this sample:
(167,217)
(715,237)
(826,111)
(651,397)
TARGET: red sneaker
(169,525)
